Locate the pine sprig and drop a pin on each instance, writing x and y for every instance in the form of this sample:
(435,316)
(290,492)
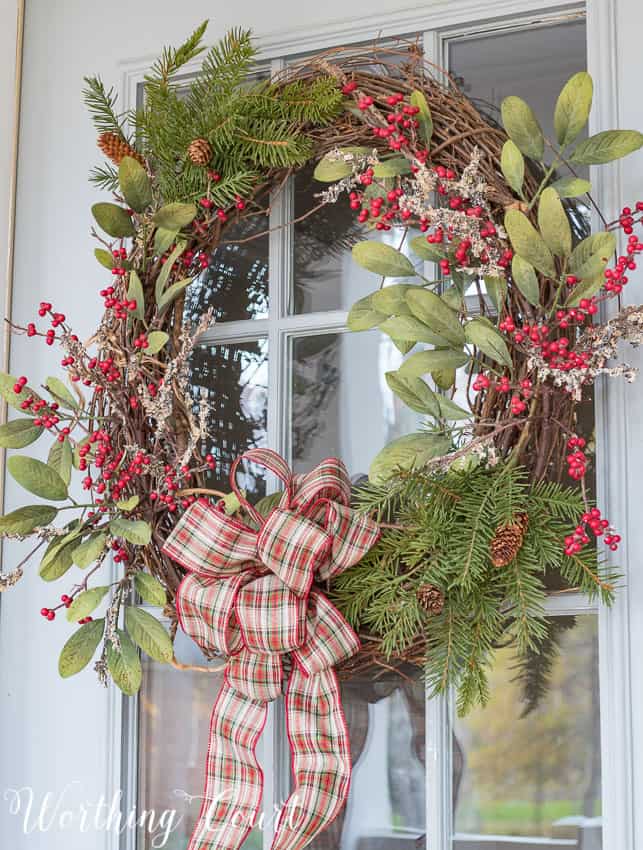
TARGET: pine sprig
(101,104)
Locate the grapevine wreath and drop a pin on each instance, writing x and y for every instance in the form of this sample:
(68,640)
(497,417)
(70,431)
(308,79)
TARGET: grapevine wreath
(482,510)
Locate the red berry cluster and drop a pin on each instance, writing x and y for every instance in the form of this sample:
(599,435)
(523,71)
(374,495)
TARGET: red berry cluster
(576,459)
(598,525)
(110,372)
(121,553)
(615,278)
(522,391)
(47,415)
(50,613)
(141,342)
(119,254)
(121,307)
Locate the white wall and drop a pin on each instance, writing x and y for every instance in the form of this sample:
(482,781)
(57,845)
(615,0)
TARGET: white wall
(53,733)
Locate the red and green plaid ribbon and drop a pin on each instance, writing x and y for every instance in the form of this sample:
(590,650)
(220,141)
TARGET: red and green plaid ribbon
(247,595)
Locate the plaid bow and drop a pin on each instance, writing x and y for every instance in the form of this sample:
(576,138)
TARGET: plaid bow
(248,595)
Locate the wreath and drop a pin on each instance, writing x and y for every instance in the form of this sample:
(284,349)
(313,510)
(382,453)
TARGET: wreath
(481,510)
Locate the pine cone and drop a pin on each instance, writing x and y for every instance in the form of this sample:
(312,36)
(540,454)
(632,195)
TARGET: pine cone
(508,540)
(200,152)
(431,598)
(115,148)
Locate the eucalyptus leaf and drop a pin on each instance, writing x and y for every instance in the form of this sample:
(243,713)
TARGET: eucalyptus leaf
(172,292)
(525,277)
(444,378)
(60,459)
(174,216)
(382,259)
(408,452)
(156,341)
(105,258)
(37,477)
(135,293)
(163,238)
(522,127)
(391,300)
(150,589)
(114,220)
(431,360)
(24,520)
(410,328)
(554,224)
(80,648)
(128,504)
(607,146)
(135,184)
(134,531)
(166,271)
(427,251)
(573,107)
(86,602)
(362,316)
(87,552)
(414,392)
(124,665)
(392,167)
(590,257)
(497,290)
(487,340)
(58,557)
(60,393)
(329,168)
(528,242)
(513,166)
(424,115)
(19,433)
(571,187)
(440,318)
(148,634)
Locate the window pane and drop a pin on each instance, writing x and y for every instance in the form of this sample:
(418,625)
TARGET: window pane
(386,804)
(341,404)
(529,764)
(233,378)
(174,721)
(235,283)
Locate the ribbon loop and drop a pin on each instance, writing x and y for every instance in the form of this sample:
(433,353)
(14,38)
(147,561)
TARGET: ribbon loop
(293,547)
(271,617)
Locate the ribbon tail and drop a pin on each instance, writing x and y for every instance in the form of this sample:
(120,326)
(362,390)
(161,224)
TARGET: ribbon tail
(321,759)
(233,777)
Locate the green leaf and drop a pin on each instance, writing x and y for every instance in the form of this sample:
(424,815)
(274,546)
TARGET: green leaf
(417,395)
(403,345)
(171,293)
(496,290)
(60,393)
(114,220)
(135,184)
(528,242)
(571,187)
(554,224)
(15,399)
(19,433)
(86,602)
(89,550)
(125,666)
(362,316)
(150,589)
(128,504)
(431,309)
(522,127)
(426,251)
(105,258)
(452,297)
(134,531)
(573,107)
(513,166)
(80,648)
(411,329)
(585,289)
(525,278)
(148,634)
(60,459)
(163,239)
(329,169)
(174,216)
(412,450)
(24,520)
(590,257)
(135,293)
(444,378)
(382,259)
(58,557)
(391,301)
(424,115)
(37,477)
(392,167)
(487,339)
(432,360)
(164,274)
(156,341)
(607,146)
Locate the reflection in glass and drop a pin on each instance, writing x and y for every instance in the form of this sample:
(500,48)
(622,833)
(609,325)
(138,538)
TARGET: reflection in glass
(234,380)
(386,804)
(235,283)
(174,721)
(529,763)
(341,403)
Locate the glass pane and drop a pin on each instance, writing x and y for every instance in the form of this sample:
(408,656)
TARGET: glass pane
(174,721)
(341,403)
(529,764)
(235,282)
(233,379)
(386,804)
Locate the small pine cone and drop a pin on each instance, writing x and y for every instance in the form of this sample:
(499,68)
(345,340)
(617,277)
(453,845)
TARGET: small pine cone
(431,598)
(507,540)
(115,148)
(200,152)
